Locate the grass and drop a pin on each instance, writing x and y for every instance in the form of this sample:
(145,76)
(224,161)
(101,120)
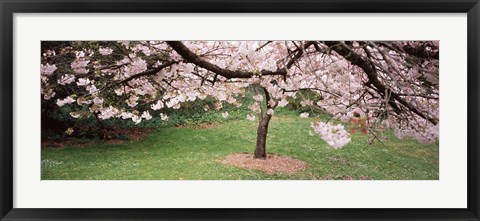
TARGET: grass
(183,153)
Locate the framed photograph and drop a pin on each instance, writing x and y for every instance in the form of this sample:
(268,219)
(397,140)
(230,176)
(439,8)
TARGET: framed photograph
(199,110)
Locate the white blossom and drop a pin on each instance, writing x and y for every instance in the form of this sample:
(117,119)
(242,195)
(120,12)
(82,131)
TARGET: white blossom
(137,119)
(126,115)
(304,115)
(105,51)
(335,136)
(67,100)
(83,81)
(225,114)
(250,117)
(69,131)
(75,114)
(163,116)
(146,115)
(157,106)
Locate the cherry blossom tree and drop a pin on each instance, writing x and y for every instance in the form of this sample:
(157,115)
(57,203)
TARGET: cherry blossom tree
(368,85)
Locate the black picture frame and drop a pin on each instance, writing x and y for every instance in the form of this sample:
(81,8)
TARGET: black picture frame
(9,7)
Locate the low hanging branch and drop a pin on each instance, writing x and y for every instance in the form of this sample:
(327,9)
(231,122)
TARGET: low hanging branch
(142,74)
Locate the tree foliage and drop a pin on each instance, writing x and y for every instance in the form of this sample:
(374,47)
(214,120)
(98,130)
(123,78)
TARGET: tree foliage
(367,84)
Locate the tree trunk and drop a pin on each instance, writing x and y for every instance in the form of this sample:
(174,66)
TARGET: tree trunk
(260,150)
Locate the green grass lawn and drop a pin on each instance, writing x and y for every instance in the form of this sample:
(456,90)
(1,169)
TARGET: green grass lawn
(182,153)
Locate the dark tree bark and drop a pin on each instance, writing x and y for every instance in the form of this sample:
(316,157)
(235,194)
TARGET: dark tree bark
(260,149)
(262,131)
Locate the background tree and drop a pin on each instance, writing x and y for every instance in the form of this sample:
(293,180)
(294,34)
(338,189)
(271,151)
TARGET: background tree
(371,85)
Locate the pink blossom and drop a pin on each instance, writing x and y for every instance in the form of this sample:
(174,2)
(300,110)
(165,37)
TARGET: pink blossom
(258,97)
(47,69)
(79,66)
(66,79)
(119,91)
(107,113)
(67,100)
(98,101)
(92,89)
(282,103)
(137,66)
(255,107)
(132,101)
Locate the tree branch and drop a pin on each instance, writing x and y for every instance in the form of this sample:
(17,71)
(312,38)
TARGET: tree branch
(191,57)
(421,52)
(373,77)
(149,72)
